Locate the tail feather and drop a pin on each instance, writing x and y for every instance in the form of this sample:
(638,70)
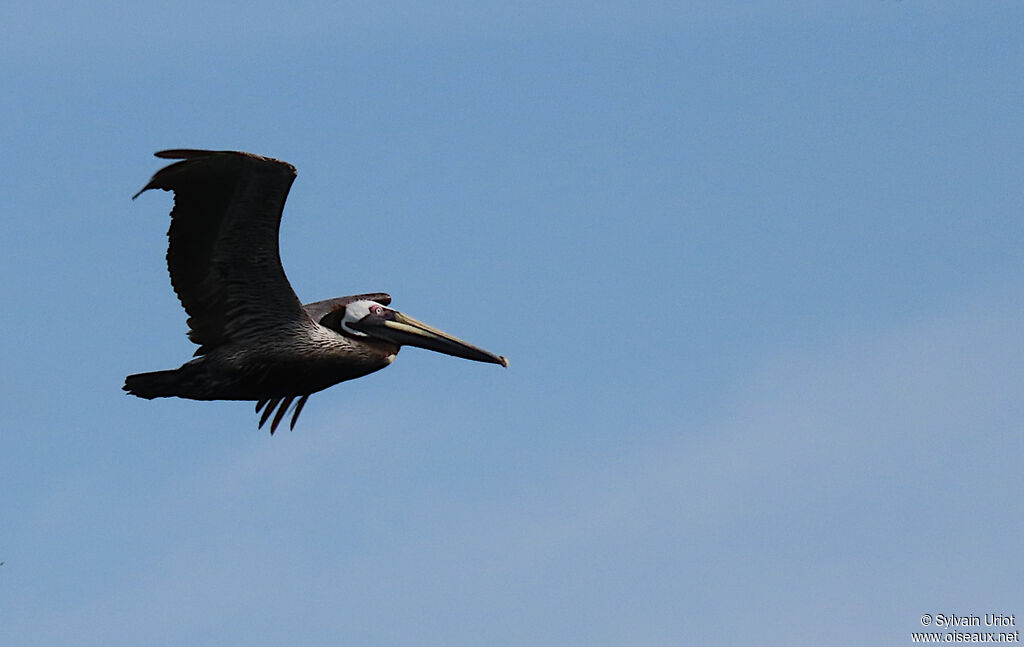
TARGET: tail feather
(191,381)
(158,384)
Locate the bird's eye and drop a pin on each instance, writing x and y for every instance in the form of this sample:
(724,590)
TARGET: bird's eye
(377,310)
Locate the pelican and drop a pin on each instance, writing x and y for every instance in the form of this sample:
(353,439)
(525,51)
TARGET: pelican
(256,340)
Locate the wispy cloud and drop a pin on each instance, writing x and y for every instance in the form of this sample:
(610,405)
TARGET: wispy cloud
(841,481)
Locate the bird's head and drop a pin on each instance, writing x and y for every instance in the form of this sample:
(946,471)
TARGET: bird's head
(369,319)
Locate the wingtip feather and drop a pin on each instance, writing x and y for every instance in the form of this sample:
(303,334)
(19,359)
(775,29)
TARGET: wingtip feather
(266,413)
(182,153)
(298,409)
(281,410)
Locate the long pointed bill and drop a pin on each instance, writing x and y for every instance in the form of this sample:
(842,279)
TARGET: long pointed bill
(406,331)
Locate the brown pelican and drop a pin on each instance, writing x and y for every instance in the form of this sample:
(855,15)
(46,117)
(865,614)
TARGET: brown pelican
(256,340)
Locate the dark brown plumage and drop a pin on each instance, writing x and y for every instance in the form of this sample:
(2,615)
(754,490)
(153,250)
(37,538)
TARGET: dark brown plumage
(256,340)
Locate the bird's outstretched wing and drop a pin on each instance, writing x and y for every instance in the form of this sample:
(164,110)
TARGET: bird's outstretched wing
(223,254)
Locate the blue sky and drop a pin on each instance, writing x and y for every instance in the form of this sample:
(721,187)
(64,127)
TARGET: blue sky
(757,268)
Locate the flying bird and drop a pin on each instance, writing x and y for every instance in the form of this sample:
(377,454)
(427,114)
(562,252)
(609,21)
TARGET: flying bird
(256,340)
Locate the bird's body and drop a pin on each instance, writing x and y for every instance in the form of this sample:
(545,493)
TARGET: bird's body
(289,363)
(256,340)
